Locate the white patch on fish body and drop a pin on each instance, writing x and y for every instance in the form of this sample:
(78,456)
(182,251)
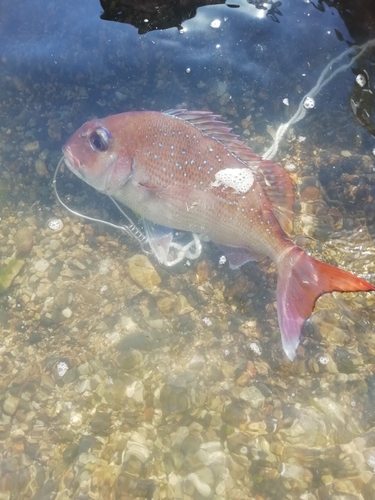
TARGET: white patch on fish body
(239,179)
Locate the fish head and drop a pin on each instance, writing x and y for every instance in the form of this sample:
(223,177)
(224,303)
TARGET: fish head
(96,155)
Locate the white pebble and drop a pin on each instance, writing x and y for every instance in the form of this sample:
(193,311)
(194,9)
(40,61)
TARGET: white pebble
(290,167)
(203,488)
(55,224)
(256,348)
(76,418)
(67,313)
(207,321)
(62,368)
(41,265)
(222,260)
(361,80)
(323,359)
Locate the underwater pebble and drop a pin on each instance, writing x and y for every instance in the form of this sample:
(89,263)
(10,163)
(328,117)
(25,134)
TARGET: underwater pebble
(10,405)
(31,146)
(143,272)
(41,265)
(54,245)
(41,168)
(221,88)
(9,272)
(182,306)
(207,321)
(203,488)
(83,386)
(61,368)
(361,80)
(346,154)
(255,348)
(136,447)
(253,396)
(222,260)
(55,224)
(67,312)
(101,423)
(290,167)
(24,240)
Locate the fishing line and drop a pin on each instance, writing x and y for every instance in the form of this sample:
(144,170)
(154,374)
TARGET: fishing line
(322,82)
(191,250)
(131,229)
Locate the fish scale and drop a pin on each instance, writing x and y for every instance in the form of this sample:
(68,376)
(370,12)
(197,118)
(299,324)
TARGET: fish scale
(196,211)
(186,170)
(185,157)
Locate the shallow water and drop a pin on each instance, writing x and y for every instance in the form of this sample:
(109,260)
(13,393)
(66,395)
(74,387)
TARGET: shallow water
(172,383)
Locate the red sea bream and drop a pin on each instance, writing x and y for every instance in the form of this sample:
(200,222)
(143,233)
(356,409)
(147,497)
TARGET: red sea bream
(187,171)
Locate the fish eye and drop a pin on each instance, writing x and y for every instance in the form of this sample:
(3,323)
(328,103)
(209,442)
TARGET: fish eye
(99,140)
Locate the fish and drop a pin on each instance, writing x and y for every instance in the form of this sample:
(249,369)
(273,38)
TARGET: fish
(188,171)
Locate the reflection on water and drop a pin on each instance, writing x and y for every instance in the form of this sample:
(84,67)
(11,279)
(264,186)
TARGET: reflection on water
(122,379)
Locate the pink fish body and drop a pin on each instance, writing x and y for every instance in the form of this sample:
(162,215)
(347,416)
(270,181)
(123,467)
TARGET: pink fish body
(187,171)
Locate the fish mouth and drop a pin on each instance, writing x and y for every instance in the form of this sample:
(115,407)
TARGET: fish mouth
(73,163)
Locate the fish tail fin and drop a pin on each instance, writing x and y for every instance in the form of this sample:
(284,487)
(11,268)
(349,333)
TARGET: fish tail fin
(302,279)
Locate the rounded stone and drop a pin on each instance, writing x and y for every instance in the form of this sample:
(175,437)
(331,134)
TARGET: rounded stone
(10,405)
(41,265)
(253,396)
(24,240)
(143,272)
(67,312)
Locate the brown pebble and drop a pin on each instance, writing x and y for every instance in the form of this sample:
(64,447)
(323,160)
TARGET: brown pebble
(41,168)
(310,193)
(31,146)
(24,240)
(148,413)
(203,271)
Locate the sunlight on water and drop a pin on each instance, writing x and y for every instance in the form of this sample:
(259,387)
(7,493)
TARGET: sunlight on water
(122,378)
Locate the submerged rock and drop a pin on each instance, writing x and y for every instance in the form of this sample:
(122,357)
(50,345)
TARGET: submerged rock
(143,272)
(24,240)
(8,273)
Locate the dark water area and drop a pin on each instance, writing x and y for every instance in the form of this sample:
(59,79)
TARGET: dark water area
(121,378)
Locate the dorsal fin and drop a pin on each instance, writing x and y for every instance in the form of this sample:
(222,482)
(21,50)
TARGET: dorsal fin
(212,125)
(273,178)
